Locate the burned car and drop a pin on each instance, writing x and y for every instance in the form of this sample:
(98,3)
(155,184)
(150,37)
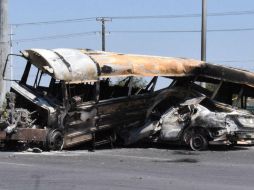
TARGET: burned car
(196,122)
(67,96)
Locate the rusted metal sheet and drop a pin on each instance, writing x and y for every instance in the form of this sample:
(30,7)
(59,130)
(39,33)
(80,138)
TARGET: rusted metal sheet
(79,65)
(27,134)
(128,64)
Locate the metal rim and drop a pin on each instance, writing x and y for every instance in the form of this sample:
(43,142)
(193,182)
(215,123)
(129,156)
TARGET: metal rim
(198,142)
(56,141)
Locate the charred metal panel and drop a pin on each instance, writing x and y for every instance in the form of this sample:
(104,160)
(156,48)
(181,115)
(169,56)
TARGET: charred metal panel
(229,74)
(79,123)
(111,113)
(76,138)
(27,134)
(123,112)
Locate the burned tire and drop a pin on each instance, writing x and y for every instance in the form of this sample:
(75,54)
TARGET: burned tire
(198,142)
(55,140)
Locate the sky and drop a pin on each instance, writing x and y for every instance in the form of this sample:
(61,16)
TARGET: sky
(228,48)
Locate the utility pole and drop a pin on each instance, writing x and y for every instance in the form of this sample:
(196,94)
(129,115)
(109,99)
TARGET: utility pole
(4,45)
(203,36)
(203,32)
(103,21)
(10,58)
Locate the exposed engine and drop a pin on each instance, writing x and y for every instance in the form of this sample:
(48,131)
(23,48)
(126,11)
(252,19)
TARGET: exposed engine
(12,118)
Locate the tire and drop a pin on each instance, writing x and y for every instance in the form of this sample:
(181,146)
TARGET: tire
(187,136)
(198,142)
(55,140)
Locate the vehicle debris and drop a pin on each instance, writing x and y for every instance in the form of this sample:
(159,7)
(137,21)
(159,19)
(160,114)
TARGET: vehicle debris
(193,124)
(34,150)
(73,99)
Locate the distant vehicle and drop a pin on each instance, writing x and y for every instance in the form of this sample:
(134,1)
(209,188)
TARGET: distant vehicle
(68,96)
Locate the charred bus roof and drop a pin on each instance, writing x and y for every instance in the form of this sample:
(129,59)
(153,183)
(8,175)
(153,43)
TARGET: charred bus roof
(77,65)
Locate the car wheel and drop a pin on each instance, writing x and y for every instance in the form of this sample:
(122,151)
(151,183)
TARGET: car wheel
(56,140)
(186,137)
(198,142)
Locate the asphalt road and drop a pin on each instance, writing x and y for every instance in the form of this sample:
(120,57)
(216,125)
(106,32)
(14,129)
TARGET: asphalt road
(128,168)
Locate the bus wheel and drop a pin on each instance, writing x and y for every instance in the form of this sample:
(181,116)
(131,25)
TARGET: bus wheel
(55,140)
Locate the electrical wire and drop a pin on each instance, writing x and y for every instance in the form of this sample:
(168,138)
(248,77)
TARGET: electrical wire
(53,37)
(65,21)
(232,13)
(181,31)
(233,61)
(71,35)
(54,22)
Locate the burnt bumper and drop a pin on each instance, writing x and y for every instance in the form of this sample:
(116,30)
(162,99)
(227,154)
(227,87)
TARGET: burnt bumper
(239,137)
(245,135)
(25,134)
(245,138)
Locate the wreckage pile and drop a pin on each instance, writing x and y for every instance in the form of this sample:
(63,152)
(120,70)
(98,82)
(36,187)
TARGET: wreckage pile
(81,96)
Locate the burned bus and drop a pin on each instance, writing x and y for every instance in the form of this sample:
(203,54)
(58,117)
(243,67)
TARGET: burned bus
(73,98)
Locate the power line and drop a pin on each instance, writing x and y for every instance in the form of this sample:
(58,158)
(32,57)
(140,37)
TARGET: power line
(71,35)
(231,30)
(153,31)
(181,31)
(232,13)
(53,37)
(233,61)
(54,22)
